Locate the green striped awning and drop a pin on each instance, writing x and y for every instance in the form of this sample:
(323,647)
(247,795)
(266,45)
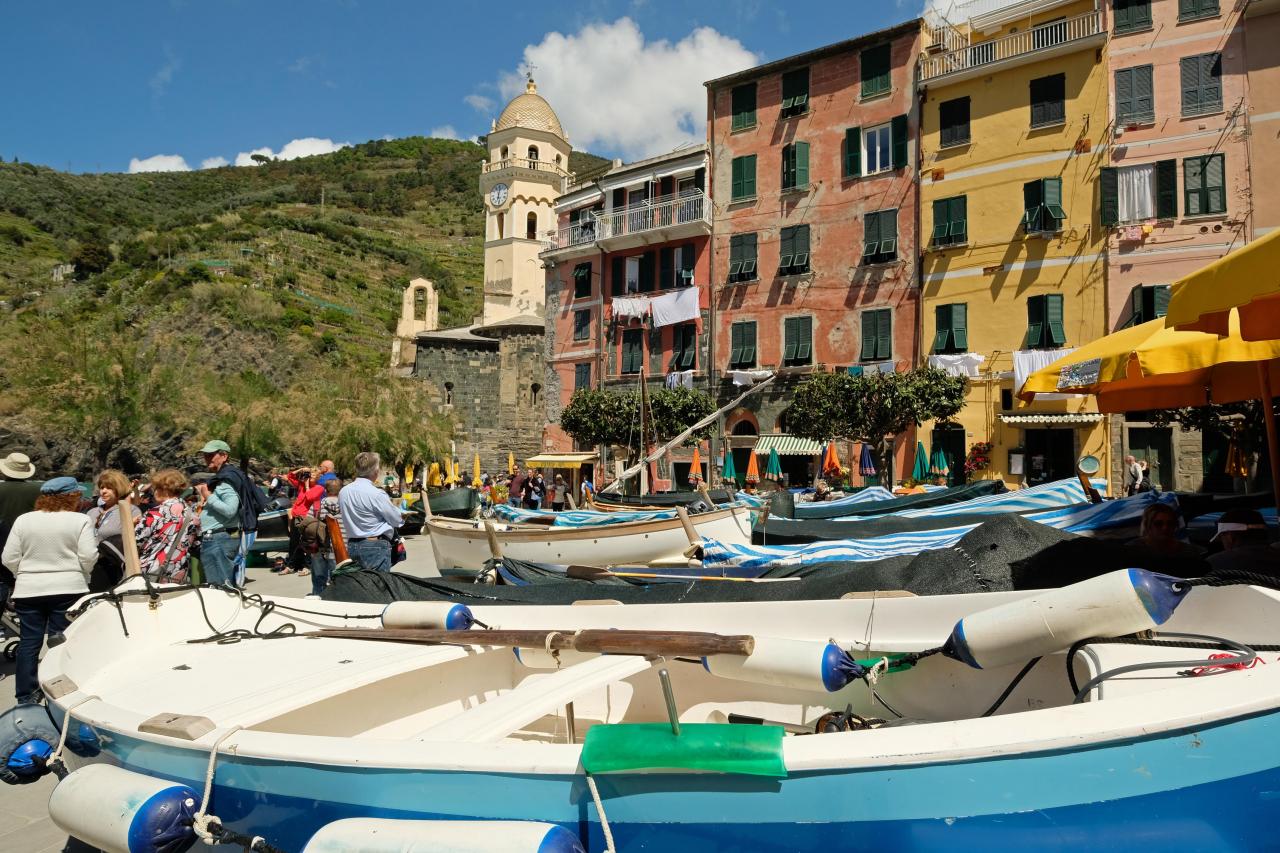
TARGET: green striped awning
(787,445)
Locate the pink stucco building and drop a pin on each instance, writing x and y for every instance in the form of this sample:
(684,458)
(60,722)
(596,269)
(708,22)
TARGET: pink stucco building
(1262,67)
(1176,194)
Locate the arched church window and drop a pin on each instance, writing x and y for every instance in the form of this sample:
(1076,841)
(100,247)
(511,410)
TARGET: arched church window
(448,393)
(534,390)
(533,152)
(504,152)
(531,226)
(502,223)
(557,159)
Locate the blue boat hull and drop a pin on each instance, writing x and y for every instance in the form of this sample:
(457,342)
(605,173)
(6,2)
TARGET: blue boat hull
(1213,789)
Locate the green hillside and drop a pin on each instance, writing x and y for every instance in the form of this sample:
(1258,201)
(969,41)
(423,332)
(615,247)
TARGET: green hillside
(252,302)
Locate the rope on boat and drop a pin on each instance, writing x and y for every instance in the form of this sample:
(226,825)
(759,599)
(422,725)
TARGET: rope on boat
(54,762)
(208,828)
(604,821)
(1247,655)
(1134,640)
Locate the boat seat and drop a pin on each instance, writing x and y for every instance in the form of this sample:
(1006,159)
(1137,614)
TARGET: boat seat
(536,697)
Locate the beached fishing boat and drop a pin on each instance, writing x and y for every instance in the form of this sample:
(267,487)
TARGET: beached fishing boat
(970,722)
(469,544)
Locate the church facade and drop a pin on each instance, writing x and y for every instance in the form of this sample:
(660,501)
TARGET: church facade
(488,376)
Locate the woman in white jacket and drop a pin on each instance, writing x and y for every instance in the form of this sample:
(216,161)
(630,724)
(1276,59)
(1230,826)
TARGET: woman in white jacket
(51,551)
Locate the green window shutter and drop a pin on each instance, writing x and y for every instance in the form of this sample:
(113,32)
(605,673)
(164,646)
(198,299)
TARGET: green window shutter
(868,336)
(749,344)
(618,276)
(1110,192)
(1189,78)
(1053,204)
(749,176)
(735,345)
(744,106)
(942,332)
(735,257)
(1215,182)
(800,261)
(898,141)
(853,152)
(646,272)
(1141,14)
(870,237)
(689,346)
(875,63)
(791,339)
(1161,299)
(1166,189)
(1143,102)
(960,326)
(941,221)
(1135,307)
(884,335)
(888,234)
(738,190)
(1053,319)
(801,156)
(749,258)
(953,121)
(1035,322)
(1210,82)
(1032,199)
(666,266)
(804,347)
(1193,200)
(786,249)
(958,228)
(1122,16)
(1124,93)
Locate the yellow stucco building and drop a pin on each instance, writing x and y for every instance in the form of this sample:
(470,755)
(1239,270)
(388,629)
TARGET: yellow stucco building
(1013,131)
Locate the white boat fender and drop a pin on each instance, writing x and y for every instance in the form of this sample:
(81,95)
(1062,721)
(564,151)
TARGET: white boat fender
(543,659)
(1111,605)
(27,739)
(120,811)
(427,614)
(385,835)
(800,664)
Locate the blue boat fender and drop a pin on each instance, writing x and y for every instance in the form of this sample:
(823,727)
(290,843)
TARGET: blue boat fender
(120,811)
(27,739)
(383,835)
(428,614)
(801,664)
(1111,605)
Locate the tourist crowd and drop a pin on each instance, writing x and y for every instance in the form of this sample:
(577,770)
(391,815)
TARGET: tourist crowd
(59,541)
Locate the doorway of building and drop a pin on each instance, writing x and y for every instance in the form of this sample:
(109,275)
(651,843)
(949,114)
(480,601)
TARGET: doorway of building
(1051,455)
(949,438)
(1154,445)
(742,455)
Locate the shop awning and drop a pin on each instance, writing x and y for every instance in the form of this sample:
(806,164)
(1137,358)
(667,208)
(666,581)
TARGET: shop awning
(1059,418)
(787,445)
(561,460)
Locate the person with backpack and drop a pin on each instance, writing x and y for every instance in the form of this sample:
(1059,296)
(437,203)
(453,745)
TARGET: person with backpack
(232,524)
(323,558)
(305,505)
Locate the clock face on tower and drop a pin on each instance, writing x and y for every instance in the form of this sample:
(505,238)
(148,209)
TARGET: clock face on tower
(498,195)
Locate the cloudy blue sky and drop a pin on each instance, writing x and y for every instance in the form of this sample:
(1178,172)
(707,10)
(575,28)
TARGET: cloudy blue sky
(172,84)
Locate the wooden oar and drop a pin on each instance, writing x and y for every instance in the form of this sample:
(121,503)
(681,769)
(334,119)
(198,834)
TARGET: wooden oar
(595,573)
(663,643)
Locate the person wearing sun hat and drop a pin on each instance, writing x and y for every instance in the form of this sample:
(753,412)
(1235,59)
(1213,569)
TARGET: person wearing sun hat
(1245,544)
(18,492)
(51,551)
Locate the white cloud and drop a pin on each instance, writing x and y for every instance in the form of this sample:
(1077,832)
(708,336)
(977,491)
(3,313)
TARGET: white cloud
(292,150)
(480,103)
(618,93)
(160,81)
(444,131)
(213,162)
(159,163)
(299,65)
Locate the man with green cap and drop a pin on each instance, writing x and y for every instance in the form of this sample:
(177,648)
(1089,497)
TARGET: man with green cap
(219,518)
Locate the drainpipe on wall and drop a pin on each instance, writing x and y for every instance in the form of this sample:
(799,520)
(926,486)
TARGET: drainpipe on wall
(713,445)
(601,360)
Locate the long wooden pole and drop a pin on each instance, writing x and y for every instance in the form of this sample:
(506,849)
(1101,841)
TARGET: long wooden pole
(621,642)
(1269,415)
(132,565)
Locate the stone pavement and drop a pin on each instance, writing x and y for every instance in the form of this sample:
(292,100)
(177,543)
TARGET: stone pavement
(24,819)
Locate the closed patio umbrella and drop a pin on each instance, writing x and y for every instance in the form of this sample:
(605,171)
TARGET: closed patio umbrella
(753,471)
(831,462)
(511,462)
(695,465)
(774,469)
(920,471)
(728,472)
(867,464)
(938,466)
(475,471)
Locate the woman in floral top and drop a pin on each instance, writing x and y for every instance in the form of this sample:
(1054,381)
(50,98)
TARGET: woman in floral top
(164,542)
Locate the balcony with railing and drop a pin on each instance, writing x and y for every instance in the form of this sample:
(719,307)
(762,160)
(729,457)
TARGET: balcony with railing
(670,217)
(1048,39)
(549,167)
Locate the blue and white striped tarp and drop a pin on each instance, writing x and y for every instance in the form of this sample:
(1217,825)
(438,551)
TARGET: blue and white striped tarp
(753,501)
(579,517)
(871,493)
(1208,523)
(1059,493)
(1076,519)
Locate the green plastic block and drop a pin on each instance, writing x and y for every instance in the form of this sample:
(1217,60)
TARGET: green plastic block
(714,747)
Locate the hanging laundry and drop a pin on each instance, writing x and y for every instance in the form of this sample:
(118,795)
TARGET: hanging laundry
(679,306)
(625,308)
(958,364)
(749,377)
(1028,361)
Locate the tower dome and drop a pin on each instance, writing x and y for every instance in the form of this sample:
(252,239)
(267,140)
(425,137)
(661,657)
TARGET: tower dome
(531,111)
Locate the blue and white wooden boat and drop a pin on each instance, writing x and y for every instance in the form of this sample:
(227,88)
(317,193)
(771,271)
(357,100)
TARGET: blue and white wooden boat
(309,731)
